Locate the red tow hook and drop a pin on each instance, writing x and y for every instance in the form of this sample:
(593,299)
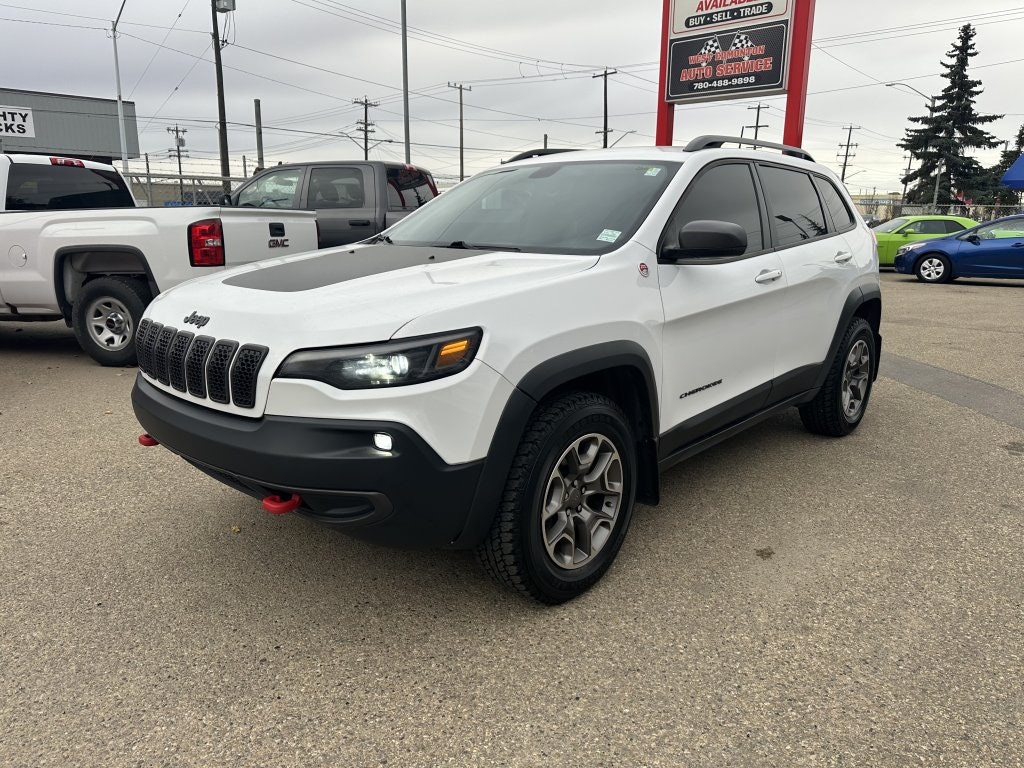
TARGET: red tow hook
(275,505)
(148,440)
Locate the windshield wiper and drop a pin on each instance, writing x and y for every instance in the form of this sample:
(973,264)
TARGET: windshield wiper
(478,247)
(381,239)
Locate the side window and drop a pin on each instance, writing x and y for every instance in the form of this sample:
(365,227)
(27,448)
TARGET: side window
(721,193)
(1002,230)
(276,189)
(337,187)
(409,188)
(930,227)
(952,227)
(793,204)
(841,216)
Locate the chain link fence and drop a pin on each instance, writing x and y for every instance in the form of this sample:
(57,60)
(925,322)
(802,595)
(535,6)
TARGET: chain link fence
(884,209)
(167,189)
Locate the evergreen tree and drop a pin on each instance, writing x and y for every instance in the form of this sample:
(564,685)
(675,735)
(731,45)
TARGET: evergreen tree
(948,131)
(1003,195)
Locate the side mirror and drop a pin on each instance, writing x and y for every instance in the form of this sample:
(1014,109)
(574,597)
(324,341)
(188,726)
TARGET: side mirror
(908,232)
(707,239)
(972,238)
(225,199)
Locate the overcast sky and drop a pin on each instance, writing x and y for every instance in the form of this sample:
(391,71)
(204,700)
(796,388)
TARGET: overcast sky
(530,65)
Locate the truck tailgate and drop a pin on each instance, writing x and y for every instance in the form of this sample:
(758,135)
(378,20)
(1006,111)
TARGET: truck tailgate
(253,234)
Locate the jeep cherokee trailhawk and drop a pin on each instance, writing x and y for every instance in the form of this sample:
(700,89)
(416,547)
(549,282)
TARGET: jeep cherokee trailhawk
(508,368)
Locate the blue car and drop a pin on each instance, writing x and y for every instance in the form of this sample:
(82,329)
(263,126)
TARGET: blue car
(995,249)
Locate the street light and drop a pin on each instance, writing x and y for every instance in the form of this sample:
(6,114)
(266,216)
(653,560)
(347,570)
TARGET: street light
(931,99)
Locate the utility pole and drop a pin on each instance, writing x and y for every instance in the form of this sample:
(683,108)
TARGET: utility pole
(179,145)
(120,103)
(605,75)
(545,141)
(366,128)
(757,120)
(405,83)
(259,136)
(225,164)
(849,149)
(906,175)
(462,169)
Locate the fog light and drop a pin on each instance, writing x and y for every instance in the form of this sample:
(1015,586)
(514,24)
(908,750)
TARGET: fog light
(382,441)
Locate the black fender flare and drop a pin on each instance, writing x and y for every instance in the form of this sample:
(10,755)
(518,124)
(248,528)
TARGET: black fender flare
(539,382)
(859,299)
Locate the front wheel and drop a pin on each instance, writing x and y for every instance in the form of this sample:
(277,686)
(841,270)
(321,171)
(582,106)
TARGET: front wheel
(933,268)
(567,502)
(105,316)
(839,406)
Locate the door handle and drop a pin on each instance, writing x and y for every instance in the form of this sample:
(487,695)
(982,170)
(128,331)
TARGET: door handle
(843,256)
(768,276)
(359,222)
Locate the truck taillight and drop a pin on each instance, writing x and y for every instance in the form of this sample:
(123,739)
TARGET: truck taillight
(67,161)
(206,243)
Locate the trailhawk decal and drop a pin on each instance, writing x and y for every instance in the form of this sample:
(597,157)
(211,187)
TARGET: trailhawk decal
(332,267)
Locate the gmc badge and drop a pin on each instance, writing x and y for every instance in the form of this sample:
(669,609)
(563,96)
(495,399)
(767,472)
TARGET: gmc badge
(278,242)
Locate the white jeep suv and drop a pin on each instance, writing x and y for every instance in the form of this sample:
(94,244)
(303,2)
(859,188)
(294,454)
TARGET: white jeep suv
(509,368)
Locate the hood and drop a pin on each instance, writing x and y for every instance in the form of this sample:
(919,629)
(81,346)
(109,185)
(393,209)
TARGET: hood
(350,295)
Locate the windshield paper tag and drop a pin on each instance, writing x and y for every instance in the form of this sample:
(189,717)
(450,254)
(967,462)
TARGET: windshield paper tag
(652,171)
(609,235)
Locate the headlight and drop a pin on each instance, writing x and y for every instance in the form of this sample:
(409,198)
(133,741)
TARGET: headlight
(910,247)
(389,364)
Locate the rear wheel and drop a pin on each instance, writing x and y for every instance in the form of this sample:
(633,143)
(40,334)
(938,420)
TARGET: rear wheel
(105,316)
(933,268)
(839,407)
(568,500)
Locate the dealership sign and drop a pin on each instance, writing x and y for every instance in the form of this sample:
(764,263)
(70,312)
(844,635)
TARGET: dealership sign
(721,49)
(16,121)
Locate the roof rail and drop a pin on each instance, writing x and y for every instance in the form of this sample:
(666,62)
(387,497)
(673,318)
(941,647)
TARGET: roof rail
(713,142)
(536,153)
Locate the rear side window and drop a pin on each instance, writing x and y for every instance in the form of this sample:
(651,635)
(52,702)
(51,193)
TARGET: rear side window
(275,189)
(930,227)
(337,187)
(721,193)
(793,205)
(409,188)
(842,219)
(953,227)
(32,187)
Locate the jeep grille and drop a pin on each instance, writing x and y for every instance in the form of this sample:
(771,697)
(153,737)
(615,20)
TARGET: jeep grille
(223,371)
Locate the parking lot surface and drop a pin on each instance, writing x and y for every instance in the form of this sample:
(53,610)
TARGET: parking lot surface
(794,601)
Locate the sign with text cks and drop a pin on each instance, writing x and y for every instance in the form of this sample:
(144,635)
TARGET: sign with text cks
(16,121)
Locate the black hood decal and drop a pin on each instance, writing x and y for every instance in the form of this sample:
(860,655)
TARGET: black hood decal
(332,267)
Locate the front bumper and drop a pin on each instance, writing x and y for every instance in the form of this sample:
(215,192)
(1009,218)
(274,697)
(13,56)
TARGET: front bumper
(404,497)
(904,262)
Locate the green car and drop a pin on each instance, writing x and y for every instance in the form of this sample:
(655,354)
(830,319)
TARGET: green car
(906,229)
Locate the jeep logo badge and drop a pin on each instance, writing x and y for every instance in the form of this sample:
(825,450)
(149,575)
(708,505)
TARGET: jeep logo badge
(197,320)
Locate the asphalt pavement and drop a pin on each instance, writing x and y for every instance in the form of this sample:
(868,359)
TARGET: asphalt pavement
(794,601)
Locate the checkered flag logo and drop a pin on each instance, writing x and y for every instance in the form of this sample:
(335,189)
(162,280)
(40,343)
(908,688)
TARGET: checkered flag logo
(711,47)
(741,41)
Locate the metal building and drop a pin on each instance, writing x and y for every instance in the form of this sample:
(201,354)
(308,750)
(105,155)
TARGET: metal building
(61,124)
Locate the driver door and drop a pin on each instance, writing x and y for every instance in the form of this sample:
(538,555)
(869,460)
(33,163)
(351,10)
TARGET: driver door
(998,251)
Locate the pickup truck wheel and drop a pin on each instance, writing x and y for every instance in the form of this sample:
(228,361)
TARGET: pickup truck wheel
(568,500)
(105,316)
(839,407)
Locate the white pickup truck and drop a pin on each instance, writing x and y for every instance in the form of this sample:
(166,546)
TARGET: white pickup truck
(74,247)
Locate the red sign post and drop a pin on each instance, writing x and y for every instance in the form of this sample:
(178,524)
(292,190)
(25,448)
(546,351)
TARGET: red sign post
(731,49)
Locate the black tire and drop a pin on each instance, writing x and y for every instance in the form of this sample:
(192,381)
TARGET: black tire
(830,412)
(933,268)
(105,316)
(516,551)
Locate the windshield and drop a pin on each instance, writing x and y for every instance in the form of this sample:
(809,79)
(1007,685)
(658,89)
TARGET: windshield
(891,225)
(565,208)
